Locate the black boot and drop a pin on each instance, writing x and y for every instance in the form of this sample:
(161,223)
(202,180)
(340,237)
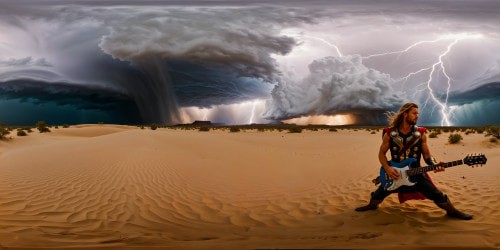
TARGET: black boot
(452,211)
(371,206)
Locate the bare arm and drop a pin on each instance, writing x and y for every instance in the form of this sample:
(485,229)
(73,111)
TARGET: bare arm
(383,151)
(426,153)
(391,172)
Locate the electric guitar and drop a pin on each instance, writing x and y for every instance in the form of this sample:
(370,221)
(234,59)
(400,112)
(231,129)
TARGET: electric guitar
(406,170)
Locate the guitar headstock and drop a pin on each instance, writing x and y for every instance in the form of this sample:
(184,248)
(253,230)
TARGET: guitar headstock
(475,159)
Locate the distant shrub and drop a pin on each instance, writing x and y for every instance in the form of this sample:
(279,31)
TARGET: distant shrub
(493,139)
(234,129)
(454,138)
(29,130)
(142,127)
(153,126)
(42,127)
(333,130)
(433,134)
(204,129)
(261,129)
(373,132)
(295,130)
(65,126)
(480,130)
(493,131)
(56,127)
(3,130)
(21,132)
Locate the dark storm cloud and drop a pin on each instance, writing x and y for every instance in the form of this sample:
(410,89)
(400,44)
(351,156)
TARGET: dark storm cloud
(489,91)
(203,53)
(62,93)
(230,48)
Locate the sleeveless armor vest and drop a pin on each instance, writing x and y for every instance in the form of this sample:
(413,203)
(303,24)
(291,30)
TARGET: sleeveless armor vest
(399,140)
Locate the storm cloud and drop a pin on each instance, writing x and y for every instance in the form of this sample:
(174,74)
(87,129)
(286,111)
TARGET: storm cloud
(335,85)
(162,56)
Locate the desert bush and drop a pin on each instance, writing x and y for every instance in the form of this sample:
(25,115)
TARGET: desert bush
(204,129)
(493,139)
(65,126)
(295,130)
(493,131)
(433,134)
(454,138)
(4,130)
(42,127)
(21,132)
(373,132)
(261,129)
(153,126)
(332,130)
(234,129)
(480,130)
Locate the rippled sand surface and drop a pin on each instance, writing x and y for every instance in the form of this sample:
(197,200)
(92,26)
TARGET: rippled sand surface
(118,186)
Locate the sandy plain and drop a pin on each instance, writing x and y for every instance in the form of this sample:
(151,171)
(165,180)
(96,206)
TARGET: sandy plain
(121,187)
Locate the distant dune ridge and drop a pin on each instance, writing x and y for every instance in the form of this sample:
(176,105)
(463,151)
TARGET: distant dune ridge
(120,186)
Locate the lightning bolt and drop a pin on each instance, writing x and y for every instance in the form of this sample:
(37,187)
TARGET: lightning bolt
(302,36)
(437,66)
(325,42)
(253,113)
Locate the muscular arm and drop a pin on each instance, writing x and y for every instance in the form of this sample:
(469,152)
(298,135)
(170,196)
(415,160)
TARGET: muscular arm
(391,172)
(426,153)
(383,150)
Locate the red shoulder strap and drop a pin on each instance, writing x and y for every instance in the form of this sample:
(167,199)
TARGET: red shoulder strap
(386,130)
(421,130)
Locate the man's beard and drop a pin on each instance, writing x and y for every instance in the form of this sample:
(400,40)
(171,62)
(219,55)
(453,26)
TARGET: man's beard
(411,122)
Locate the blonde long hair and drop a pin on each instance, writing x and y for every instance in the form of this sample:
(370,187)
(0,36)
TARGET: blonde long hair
(396,119)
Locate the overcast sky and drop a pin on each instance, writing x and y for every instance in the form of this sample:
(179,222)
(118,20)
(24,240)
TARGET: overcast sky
(239,62)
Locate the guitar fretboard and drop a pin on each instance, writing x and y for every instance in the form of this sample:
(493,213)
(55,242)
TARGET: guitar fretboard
(422,170)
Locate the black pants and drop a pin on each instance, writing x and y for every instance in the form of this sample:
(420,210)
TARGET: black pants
(423,185)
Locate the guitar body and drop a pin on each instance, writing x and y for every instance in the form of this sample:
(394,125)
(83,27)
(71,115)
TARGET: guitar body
(402,168)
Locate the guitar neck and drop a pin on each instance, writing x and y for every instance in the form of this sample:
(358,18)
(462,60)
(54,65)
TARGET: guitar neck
(422,170)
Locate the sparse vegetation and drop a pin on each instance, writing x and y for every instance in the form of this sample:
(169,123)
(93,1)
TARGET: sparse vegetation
(234,129)
(42,127)
(65,126)
(295,130)
(204,129)
(493,131)
(493,139)
(332,130)
(21,132)
(454,138)
(433,134)
(4,130)
(153,126)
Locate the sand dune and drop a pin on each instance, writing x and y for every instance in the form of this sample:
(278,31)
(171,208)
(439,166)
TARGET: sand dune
(113,186)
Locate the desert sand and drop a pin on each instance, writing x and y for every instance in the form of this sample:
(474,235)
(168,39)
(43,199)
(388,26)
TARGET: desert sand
(123,187)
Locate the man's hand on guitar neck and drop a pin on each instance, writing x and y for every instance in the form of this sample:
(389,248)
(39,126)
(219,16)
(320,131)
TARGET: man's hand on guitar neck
(392,173)
(439,168)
